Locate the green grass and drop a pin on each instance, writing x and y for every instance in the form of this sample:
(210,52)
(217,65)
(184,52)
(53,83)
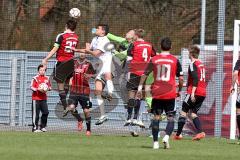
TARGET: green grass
(72,146)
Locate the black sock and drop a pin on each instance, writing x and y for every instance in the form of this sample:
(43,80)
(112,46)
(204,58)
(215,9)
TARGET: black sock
(238,124)
(181,123)
(76,115)
(197,124)
(88,123)
(130,110)
(63,98)
(155,129)
(170,126)
(136,109)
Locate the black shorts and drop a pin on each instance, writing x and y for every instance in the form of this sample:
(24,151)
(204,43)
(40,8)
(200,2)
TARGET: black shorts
(193,106)
(160,105)
(63,71)
(133,82)
(83,100)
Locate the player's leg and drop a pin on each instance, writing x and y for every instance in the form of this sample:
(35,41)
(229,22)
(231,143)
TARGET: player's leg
(169,107)
(35,115)
(86,105)
(196,121)
(109,84)
(130,105)
(183,116)
(100,102)
(238,118)
(157,111)
(44,117)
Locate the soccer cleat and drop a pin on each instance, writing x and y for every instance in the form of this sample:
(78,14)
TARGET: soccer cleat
(199,136)
(134,134)
(155,145)
(43,129)
(101,120)
(80,126)
(88,133)
(138,123)
(37,131)
(175,137)
(128,122)
(165,142)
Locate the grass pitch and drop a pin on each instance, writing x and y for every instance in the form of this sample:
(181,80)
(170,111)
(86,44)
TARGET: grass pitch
(72,146)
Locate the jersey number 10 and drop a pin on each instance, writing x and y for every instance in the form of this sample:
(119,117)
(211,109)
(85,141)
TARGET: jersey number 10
(163,72)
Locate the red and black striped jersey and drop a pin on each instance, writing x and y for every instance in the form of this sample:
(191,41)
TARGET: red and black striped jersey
(80,80)
(65,41)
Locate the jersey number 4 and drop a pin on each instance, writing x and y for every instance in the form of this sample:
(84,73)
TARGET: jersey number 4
(163,72)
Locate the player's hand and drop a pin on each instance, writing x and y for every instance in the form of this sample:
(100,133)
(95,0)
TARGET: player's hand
(139,95)
(232,90)
(41,90)
(44,62)
(193,99)
(88,46)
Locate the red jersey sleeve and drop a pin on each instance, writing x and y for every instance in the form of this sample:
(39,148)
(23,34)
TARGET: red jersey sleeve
(34,85)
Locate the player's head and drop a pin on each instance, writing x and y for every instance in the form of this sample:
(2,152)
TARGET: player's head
(139,33)
(82,56)
(166,44)
(71,24)
(194,51)
(41,69)
(102,30)
(130,35)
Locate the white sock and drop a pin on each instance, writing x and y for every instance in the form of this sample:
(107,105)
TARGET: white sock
(100,103)
(110,86)
(141,110)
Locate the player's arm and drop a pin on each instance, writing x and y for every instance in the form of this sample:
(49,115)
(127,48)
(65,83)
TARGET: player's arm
(33,85)
(96,52)
(153,52)
(129,52)
(90,72)
(70,81)
(235,75)
(180,77)
(49,85)
(115,38)
(56,46)
(194,75)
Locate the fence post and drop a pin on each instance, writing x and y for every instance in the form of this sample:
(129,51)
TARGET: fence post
(22,92)
(13,91)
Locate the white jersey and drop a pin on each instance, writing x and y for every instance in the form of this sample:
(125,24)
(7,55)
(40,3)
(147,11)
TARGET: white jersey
(100,43)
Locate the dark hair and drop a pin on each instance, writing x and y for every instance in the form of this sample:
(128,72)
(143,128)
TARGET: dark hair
(105,28)
(194,51)
(39,66)
(139,32)
(166,44)
(71,24)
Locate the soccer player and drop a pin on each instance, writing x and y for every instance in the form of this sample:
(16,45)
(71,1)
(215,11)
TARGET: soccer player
(80,91)
(98,48)
(39,99)
(235,79)
(166,68)
(196,93)
(64,54)
(140,53)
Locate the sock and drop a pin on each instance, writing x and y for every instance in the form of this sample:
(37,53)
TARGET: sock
(136,109)
(110,87)
(141,109)
(197,124)
(76,115)
(100,103)
(238,124)
(155,130)
(63,98)
(88,123)
(170,126)
(181,123)
(129,110)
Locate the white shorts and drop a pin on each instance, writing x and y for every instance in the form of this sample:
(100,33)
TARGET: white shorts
(105,66)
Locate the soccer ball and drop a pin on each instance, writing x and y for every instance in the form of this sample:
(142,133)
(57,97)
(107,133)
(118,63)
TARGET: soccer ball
(74,13)
(44,87)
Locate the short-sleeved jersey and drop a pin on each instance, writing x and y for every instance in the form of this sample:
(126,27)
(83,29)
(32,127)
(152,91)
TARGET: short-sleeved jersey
(100,43)
(80,84)
(237,68)
(36,81)
(196,77)
(65,41)
(141,53)
(166,68)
